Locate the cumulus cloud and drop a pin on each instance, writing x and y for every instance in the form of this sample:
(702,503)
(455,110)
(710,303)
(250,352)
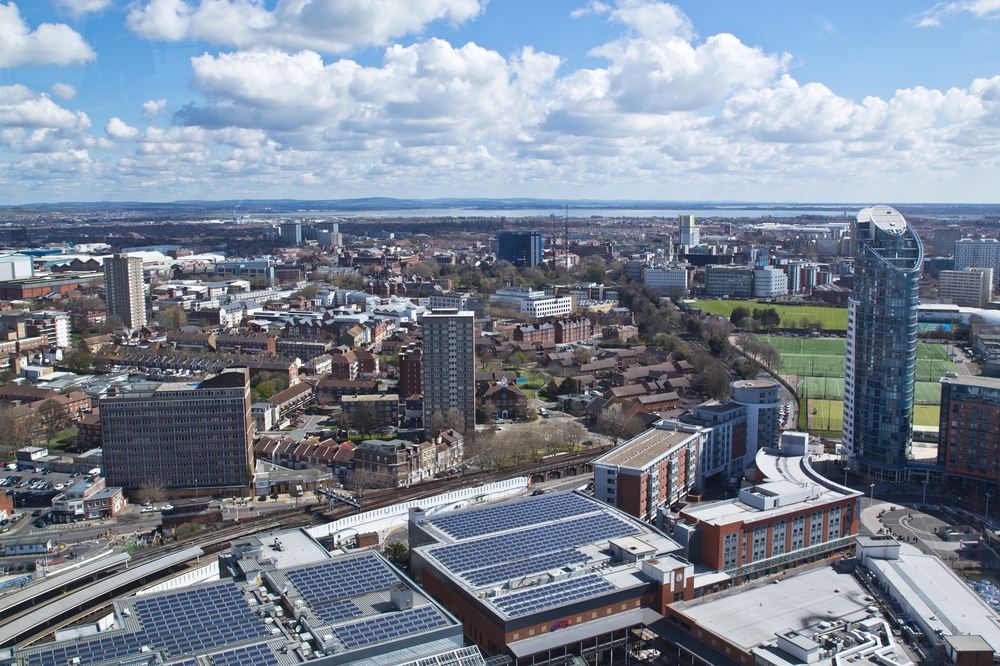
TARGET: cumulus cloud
(22,107)
(942,10)
(48,44)
(153,108)
(81,7)
(326,26)
(64,91)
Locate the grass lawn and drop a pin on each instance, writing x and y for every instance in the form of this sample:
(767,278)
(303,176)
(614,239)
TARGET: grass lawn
(927,393)
(827,388)
(63,438)
(831,318)
(926,415)
(829,416)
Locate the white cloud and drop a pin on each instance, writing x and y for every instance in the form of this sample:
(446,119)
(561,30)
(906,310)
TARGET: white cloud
(153,108)
(64,91)
(81,7)
(48,44)
(326,26)
(22,107)
(942,10)
(118,130)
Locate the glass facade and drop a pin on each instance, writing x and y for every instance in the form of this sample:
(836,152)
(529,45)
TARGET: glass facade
(881,359)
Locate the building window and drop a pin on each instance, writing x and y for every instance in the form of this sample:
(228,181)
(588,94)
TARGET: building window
(798,532)
(730,550)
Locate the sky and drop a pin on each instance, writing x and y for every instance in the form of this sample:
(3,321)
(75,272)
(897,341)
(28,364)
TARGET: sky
(702,100)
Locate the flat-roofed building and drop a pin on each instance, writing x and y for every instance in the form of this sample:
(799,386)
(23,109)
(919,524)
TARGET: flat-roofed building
(969,429)
(283,599)
(181,435)
(449,365)
(724,451)
(124,289)
(970,287)
(654,469)
(762,399)
(728,281)
(792,516)
(548,577)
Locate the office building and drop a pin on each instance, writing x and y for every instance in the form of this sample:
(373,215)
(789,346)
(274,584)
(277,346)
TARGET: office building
(969,429)
(291,234)
(556,579)
(667,281)
(791,516)
(654,469)
(125,294)
(762,399)
(723,452)
(189,438)
(533,302)
(282,599)
(259,272)
(970,287)
(728,281)
(449,365)
(520,248)
(981,253)
(329,239)
(690,235)
(881,358)
(769,282)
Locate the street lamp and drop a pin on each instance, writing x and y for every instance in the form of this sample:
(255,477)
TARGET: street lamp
(926,479)
(845,475)
(986,516)
(871,503)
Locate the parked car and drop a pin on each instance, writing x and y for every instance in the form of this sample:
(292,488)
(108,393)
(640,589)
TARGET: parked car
(167,507)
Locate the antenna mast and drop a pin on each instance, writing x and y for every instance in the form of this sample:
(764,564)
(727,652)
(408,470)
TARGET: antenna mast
(566,239)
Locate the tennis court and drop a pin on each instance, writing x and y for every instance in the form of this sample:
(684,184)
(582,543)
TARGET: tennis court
(825,415)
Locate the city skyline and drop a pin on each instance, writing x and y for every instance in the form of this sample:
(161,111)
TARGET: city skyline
(183,99)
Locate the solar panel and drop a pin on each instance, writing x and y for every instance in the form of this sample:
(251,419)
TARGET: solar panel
(389,625)
(554,594)
(337,610)
(512,516)
(531,565)
(90,651)
(488,551)
(198,619)
(251,655)
(341,578)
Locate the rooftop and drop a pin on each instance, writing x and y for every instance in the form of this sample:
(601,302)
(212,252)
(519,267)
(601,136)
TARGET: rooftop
(647,447)
(522,556)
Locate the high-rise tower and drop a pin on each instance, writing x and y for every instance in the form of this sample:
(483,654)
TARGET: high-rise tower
(690,234)
(881,361)
(449,365)
(124,293)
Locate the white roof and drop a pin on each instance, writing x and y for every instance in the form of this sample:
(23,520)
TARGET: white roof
(887,219)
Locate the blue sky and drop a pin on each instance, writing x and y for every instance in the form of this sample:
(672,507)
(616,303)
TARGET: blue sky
(711,100)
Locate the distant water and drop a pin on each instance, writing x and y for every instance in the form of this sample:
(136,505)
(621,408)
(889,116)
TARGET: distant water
(590,212)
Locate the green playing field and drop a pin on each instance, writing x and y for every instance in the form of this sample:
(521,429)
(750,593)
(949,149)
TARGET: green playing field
(926,415)
(826,415)
(834,319)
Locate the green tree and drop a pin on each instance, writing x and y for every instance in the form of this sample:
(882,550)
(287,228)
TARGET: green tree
(739,316)
(569,387)
(397,553)
(79,361)
(367,419)
(594,273)
(172,318)
(307,292)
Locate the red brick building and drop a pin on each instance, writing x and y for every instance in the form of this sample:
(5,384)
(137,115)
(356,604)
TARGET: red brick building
(344,366)
(535,333)
(573,330)
(411,373)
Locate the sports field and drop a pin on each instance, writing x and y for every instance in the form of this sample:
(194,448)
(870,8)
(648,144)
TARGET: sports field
(831,318)
(926,415)
(827,415)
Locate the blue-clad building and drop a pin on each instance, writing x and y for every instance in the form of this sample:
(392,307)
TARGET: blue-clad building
(520,248)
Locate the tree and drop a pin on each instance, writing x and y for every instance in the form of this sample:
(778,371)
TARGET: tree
(739,316)
(172,318)
(581,356)
(616,423)
(17,430)
(79,361)
(517,359)
(307,292)
(594,273)
(486,412)
(111,323)
(569,387)
(768,317)
(54,417)
(715,381)
(455,419)
(152,491)
(397,553)
(437,424)
(367,419)
(362,479)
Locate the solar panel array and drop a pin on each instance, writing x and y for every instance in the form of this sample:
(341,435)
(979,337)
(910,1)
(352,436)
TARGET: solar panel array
(389,625)
(480,553)
(341,578)
(337,610)
(536,598)
(512,516)
(180,623)
(198,619)
(531,565)
(90,651)
(251,655)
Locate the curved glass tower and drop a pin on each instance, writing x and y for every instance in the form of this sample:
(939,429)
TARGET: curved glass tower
(881,359)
